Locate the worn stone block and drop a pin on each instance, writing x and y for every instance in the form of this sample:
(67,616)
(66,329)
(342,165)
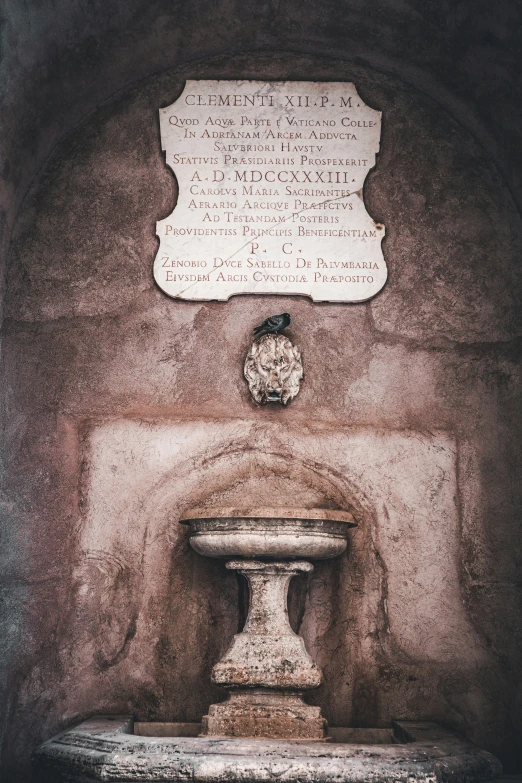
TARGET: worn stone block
(264,714)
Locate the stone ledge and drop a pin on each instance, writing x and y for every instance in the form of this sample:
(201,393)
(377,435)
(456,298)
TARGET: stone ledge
(103,748)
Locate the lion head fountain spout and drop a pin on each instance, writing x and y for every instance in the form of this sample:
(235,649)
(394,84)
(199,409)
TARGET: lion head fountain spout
(273,369)
(273,366)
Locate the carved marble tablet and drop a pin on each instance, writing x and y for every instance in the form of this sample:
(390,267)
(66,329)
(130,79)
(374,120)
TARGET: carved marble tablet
(270,178)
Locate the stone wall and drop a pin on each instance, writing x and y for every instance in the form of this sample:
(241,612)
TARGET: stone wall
(59,62)
(124,407)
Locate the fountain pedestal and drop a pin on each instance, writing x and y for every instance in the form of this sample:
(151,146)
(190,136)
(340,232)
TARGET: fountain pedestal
(267,666)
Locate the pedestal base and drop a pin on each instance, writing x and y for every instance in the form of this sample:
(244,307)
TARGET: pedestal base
(269,714)
(267,667)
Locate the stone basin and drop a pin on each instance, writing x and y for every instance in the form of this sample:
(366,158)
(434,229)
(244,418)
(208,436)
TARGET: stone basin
(280,533)
(107,748)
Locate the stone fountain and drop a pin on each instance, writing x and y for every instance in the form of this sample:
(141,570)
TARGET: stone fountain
(267,668)
(264,729)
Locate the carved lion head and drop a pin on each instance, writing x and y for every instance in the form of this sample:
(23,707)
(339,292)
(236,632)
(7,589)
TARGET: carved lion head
(273,369)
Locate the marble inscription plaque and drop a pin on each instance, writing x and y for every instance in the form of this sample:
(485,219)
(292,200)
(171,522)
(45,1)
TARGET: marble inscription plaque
(270,178)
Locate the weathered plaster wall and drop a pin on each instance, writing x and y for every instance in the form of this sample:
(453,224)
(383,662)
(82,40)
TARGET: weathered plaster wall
(121,404)
(60,60)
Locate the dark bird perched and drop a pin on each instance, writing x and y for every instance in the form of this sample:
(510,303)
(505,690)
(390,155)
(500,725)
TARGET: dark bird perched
(273,325)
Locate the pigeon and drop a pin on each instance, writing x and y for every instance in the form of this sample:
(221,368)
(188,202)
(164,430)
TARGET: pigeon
(273,325)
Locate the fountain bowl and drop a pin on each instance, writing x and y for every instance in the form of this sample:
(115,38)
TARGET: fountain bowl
(280,533)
